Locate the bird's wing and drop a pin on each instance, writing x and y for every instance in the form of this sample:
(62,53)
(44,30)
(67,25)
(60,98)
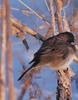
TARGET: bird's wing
(28,70)
(60,50)
(45,48)
(47,44)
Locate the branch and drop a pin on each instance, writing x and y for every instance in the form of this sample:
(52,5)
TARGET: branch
(18,27)
(27,81)
(3,53)
(24,88)
(52,16)
(64,76)
(46,3)
(6,52)
(64,85)
(34,12)
(59,17)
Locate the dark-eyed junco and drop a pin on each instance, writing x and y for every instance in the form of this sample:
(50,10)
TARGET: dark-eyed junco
(58,52)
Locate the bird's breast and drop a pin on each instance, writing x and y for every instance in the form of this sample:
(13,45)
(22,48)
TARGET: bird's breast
(62,63)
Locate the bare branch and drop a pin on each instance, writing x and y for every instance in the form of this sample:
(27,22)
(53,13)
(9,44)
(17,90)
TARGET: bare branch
(6,51)
(34,12)
(59,17)
(64,86)
(64,76)
(52,16)
(24,88)
(45,1)
(2,64)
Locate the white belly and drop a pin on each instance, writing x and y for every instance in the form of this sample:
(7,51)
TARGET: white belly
(67,62)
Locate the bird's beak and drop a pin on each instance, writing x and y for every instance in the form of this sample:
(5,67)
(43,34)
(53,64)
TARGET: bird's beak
(76,56)
(76,46)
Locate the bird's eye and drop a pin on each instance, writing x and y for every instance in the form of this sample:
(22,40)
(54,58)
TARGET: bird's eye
(53,49)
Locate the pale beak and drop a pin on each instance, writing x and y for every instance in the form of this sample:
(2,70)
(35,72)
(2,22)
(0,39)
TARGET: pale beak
(76,57)
(76,46)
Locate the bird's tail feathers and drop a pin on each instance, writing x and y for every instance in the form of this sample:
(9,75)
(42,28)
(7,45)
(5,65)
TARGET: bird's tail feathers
(31,61)
(27,71)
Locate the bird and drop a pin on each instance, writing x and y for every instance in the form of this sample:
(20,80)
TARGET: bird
(58,52)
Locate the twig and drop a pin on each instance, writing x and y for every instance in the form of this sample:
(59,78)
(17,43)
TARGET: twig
(64,86)
(3,55)
(66,6)
(45,1)
(59,17)
(52,28)
(18,27)
(52,16)
(9,53)
(27,79)
(24,88)
(65,23)
(34,12)
(6,52)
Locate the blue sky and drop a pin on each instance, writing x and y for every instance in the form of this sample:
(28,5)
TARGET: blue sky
(20,56)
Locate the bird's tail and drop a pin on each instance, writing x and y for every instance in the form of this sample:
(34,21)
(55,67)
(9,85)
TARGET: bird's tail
(27,71)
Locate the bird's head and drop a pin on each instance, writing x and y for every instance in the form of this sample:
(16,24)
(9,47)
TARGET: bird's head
(66,37)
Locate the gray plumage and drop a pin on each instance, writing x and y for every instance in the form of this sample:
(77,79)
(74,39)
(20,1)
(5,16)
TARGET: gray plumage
(56,52)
